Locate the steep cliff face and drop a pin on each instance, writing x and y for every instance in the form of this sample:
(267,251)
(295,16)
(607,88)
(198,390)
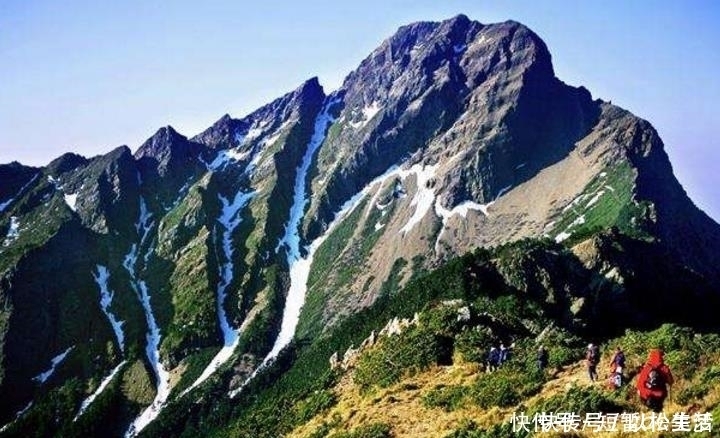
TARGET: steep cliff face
(476,100)
(132,282)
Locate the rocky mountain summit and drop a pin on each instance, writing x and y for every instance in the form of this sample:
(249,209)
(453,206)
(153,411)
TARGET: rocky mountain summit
(199,275)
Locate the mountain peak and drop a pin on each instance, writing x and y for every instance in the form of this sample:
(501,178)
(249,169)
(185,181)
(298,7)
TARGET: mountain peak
(119,152)
(461,18)
(224,133)
(168,132)
(66,162)
(310,90)
(164,139)
(311,84)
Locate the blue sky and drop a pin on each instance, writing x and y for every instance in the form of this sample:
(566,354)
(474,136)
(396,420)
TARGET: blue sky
(84,76)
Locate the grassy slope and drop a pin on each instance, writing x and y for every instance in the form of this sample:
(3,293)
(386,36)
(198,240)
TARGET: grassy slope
(445,400)
(302,385)
(607,200)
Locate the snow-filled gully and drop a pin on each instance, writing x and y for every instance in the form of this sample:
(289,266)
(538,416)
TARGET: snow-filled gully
(131,263)
(106,295)
(91,398)
(18,415)
(229,219)
(299,266)
(54,362)
(6,204)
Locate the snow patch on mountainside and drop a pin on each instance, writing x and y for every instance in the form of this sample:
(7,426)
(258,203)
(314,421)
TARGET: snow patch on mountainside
(225,157)
(562,236)
(590,201)
(240,152)
(152,348)
(91,398)
(7,203)
(182,192)
(299,266)
(368,113)
(425,197)
(19,414)
(255,133)
(595,199)
(13,232)
(291,238)
(71,201)
(54,362)
(424,194)
(462,209)
(229,219)
(299,273)
(106,296)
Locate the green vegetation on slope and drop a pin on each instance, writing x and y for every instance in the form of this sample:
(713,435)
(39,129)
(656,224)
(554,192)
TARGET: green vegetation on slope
(520,292)
(608,200)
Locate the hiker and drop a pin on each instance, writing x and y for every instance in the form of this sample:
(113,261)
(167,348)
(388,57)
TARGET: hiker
(592,356)
(493,359)
(506,352)
(542,358)
(617,365)
(653,380)
(502,354)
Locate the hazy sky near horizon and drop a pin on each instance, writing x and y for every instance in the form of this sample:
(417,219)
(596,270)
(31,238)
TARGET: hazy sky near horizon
(86,77)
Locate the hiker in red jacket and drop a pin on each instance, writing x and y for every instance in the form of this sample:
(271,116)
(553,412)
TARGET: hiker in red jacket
(653,380)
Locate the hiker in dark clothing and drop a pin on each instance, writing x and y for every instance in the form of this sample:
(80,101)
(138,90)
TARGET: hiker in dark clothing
(653,381)
(502,354)
(506,353)
(493,359)
(592,356)
(617,365)
(542,358)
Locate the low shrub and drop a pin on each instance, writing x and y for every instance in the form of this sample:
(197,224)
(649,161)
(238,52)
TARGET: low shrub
(470,429)
(579,400)
(506,387)
(413,350)
(473,343)
(317,402)
(372,430)
(447,398)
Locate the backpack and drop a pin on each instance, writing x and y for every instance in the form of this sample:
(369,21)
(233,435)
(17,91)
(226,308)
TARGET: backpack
(655,379)
(620,360)
(593,354)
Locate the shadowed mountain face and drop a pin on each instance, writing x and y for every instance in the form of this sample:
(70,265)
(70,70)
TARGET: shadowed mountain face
(130,281)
